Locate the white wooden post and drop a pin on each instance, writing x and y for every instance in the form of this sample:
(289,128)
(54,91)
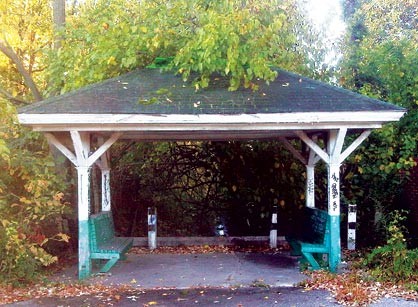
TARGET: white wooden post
(310,178)
(84,261)
(81,142)
(314,157)
(351,226)
(334,213)
(310,186)
(106,202)
(335,145)
(152,228)
(103,164)
(273,230)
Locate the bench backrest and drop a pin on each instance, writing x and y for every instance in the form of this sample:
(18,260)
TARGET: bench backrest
(315,225)
(101,229)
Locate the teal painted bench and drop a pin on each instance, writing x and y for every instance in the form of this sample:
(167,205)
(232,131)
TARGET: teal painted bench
(103,242)
(313,237)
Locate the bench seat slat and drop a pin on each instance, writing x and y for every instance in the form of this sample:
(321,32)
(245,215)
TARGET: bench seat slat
(103,242)
(314,248)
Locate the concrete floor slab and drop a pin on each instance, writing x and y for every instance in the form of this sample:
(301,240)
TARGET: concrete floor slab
(199,270)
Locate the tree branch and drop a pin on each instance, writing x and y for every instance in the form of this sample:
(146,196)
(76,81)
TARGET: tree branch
(11,54)
(11,98)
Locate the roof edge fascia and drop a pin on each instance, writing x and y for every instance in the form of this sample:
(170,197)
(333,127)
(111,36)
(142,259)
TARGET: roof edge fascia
(206,122)
(258,118)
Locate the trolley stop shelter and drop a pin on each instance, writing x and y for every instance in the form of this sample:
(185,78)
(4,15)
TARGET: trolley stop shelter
(150,104)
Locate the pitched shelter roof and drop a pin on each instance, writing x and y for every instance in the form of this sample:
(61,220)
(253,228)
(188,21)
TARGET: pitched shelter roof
(149,99)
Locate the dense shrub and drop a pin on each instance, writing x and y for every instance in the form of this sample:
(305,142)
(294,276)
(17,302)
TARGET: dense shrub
(394,261)
(29,201)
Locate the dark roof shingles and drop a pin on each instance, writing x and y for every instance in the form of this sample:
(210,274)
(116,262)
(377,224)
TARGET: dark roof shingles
(150,91)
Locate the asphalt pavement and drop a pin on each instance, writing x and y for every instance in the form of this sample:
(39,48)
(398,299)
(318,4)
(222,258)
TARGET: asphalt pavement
(212,279)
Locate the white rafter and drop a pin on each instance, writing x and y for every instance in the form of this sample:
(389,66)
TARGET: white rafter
(312,145)
(103,148)
(353,146)
(61,147)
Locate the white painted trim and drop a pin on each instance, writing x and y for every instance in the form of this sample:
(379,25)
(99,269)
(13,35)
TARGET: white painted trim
(193,130)
(61,147)
(354,145)
(356,118)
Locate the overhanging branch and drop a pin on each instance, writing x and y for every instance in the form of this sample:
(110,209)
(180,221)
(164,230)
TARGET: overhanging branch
(10,97)
(11,54)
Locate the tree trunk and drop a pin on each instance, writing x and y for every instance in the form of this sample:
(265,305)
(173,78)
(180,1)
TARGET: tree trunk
(58,11)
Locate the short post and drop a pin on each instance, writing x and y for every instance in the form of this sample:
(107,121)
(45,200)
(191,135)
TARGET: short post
(152,227)
(273,229)
(351,226)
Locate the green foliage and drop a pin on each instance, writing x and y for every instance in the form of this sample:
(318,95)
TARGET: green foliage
(381,61)
(197,184)
(25,26)
(238,39)
(29,200)
(393,261)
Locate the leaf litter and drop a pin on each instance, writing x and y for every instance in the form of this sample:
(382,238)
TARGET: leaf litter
(351,288)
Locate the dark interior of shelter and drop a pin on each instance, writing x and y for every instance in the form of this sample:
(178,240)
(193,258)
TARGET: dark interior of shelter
(199,186)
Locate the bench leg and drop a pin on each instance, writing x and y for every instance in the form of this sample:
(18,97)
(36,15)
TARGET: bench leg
(312,261)
(111,262)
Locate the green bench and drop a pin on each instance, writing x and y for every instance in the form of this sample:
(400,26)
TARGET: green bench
(103,242)
(312,237)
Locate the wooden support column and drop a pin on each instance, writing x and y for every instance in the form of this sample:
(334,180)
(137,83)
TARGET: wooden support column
(83,160)
(333,157)
(334,213)
(81,143)
(335,145)
(84,261)
(310,177)
(106,202)
(310,186)
(310,170)
(103,164)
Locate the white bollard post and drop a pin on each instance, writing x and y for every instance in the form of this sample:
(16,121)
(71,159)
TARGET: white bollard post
(273,230)
(351,226)
(152,228)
